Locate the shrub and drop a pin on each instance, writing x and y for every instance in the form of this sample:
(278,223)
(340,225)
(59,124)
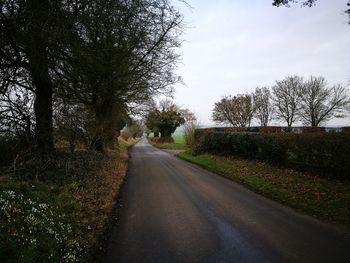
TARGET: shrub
(189,132)
(272,147)
(135,130)
(126,135)
(346,129)
(8,151)
(11,147)
(270,129)
(325,154)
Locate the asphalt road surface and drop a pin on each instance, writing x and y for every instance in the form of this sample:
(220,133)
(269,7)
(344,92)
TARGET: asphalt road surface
(173,211)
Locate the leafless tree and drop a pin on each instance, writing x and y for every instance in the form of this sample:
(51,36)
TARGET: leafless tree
(31,33)
(235,110)
(286,96)
(103,53)
(320,103)
(17,114)
(263,108)
(72,122)
(189,127)
(127,55)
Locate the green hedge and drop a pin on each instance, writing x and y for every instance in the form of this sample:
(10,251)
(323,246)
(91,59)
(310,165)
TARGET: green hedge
(325,154)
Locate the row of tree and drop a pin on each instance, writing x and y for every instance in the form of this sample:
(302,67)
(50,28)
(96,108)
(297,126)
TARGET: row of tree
(82,66)
(292,99)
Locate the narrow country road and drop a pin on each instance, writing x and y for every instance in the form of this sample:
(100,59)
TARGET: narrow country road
(174,211)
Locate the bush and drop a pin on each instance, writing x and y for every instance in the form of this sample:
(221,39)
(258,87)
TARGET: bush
(126,135)
(272,147)
(325,154)
(135,130)
(189,132)
(10,148)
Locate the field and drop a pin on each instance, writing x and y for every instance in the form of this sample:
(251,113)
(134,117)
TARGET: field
(178,144)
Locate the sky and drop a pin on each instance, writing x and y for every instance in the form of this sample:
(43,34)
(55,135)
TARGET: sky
(234,46)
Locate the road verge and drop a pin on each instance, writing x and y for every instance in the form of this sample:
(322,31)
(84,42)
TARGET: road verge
(322,198)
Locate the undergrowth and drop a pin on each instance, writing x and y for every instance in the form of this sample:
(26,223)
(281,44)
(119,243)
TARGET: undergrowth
(58,209)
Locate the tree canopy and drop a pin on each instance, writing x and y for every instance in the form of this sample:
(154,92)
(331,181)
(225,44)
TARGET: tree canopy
(234,110)
(263,107)
(286,97)
(104,56)
(166,119)
(320,103)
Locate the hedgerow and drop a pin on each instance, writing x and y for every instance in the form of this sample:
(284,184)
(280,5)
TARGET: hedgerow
(324,154)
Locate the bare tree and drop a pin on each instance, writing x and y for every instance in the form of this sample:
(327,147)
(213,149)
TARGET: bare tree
(286,96)
(103,53)
(237,110)
(24,47)
(263,108)
(33,37)
(72,123)
(17,114)
(320,103)
(190,126)
(127,54)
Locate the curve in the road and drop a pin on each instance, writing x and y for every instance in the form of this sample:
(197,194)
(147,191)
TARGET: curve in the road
(174,211)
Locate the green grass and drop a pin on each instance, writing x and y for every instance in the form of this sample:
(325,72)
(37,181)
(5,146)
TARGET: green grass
(178,144)
(319,197)
(179,138)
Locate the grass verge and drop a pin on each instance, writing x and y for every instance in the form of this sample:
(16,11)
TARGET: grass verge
(63,217)
(322,198)
(178,144)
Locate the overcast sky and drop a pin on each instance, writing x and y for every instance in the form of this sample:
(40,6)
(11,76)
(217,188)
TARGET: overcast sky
(234,46)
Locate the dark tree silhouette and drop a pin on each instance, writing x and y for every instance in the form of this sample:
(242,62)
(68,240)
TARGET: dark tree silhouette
(32,37)
(105,55)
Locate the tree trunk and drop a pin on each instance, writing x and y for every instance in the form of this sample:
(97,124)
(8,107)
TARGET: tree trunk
(43,115)
(111,132)
(72,141)
(105,130)
(97,142)
(165,133)
(39,11)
